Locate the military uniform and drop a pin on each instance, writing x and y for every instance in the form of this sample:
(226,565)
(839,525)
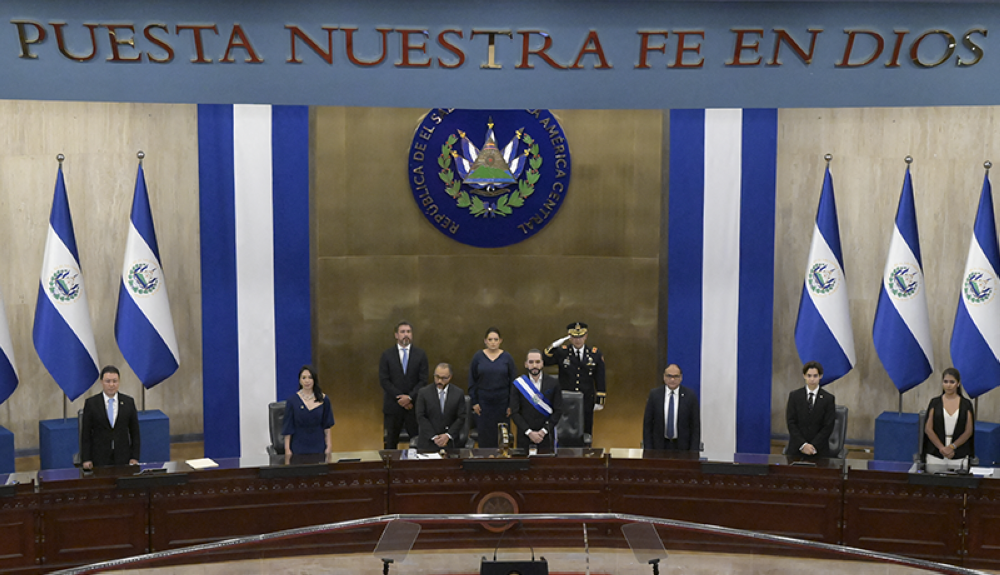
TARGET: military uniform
(585,375)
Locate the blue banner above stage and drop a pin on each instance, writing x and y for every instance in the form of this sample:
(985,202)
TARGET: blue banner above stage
(636,54)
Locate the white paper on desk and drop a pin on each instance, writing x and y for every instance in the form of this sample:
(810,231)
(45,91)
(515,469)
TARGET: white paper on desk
(428,456)
(204,463)
(982,471)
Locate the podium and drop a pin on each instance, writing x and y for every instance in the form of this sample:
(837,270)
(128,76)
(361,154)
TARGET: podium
(58,442)
(6,450)
(987,443)
(154,429)
(896,436)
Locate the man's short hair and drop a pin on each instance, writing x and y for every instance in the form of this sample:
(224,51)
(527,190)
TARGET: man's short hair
(109,369)
(448,365)
(812,365)
(533,350)
(675,365)
(401,324)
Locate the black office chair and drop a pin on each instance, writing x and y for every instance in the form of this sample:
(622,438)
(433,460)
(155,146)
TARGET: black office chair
(275,422)
(838,437)
(569,429)
(79,438)
(470,420)
(463,440)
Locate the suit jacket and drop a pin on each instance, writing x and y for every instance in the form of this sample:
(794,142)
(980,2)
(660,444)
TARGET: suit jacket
(102,444)
(394,382)
(688,420)
(813,427)
(433,422)
(526,417)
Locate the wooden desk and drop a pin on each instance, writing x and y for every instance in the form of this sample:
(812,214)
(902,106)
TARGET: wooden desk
(71,520)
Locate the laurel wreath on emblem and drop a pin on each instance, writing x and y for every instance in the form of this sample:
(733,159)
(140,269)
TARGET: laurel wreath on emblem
(898,284)
(975,288)
(822,279)
(60,290)
(137,283)
(506,202)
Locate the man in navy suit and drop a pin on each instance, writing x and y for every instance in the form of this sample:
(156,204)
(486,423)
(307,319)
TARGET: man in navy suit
(402,371)
(810,415)
(673,416)
(535,404)
(441,422)
(109,432)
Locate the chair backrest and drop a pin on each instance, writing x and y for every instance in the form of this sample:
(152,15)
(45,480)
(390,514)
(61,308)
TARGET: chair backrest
(918,455)
(79,437)
(465,440)
(569,429)
(276,421)
(838,438)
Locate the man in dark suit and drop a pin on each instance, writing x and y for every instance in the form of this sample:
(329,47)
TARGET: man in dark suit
(441,412)
(673,416)
(810,414)
(109,432)
(581,368)
(535,404)
(402,371)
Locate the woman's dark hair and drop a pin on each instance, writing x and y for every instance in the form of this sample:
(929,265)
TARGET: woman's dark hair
(954,373)
(492,329)
(317,392)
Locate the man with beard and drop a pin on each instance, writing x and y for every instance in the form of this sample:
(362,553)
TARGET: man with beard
(402,371)
(536,405)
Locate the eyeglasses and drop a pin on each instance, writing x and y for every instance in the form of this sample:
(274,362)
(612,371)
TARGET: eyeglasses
(678,376)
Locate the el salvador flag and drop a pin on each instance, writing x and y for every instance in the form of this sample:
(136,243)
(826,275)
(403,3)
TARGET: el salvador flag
(144,328)
(62,334)
(8,370)
(255,267)
(975,339)
(902,331)
(823,328)
(720,293)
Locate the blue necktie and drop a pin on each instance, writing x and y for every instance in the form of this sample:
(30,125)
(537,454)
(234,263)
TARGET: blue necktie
(670,416)
(442,396)
(111,411)
(406,357)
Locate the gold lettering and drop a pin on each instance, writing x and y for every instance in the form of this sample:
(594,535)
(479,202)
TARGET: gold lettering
(26,39)
(491,35)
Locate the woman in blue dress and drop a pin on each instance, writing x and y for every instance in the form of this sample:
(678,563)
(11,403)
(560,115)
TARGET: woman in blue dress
(308,417)
(490,376)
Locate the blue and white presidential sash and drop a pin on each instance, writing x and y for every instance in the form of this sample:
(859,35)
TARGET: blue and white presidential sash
(533,395)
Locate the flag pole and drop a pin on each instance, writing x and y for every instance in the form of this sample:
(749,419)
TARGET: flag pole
(60,158)
(987,164)
(142,155)
(828,157)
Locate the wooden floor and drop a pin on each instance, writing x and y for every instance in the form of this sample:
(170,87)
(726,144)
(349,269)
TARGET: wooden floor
(561,562)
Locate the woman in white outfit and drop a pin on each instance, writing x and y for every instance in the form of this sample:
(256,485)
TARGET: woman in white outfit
(951,421)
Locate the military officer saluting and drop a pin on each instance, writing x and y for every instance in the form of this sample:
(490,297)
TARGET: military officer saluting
(581,368)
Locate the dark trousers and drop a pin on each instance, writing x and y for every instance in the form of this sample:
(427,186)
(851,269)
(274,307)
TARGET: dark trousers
(486,423)
(394,424)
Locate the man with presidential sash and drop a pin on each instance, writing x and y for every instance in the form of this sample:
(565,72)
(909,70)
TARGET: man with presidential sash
(536,405)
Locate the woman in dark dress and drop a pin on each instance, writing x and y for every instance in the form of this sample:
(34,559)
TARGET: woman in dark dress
(949,435)
(308,417)
(490,374)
